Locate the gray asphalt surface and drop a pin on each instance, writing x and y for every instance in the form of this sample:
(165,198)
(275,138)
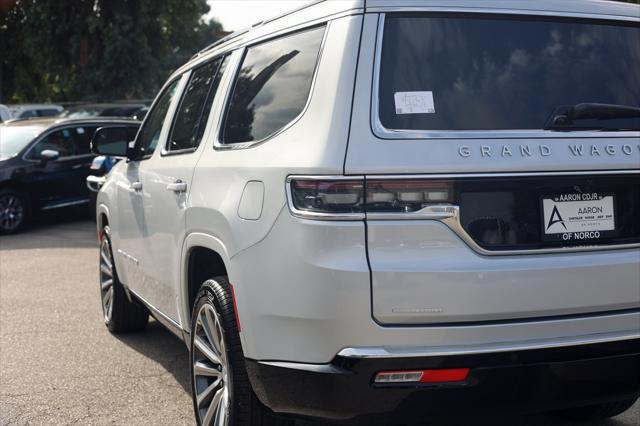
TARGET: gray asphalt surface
(60,365)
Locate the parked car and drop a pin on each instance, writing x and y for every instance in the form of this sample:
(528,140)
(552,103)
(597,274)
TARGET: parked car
(380,213)
(44,164)
(25,111)
(5,114)
(105,110)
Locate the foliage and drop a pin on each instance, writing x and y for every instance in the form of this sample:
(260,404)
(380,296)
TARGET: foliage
(96,50)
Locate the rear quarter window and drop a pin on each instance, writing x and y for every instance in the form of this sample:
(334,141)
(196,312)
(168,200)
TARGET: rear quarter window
(497,72)
(272,87)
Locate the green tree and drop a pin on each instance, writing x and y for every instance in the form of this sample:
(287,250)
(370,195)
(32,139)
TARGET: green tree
(96,50)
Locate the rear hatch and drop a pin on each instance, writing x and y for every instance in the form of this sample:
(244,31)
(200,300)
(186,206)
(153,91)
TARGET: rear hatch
(501,155)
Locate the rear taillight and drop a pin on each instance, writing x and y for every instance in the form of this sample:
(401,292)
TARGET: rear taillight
(328,196)
(399,195)
(352,198)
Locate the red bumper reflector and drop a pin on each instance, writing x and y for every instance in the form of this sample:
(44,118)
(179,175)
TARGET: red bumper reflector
(235,307)
(423,376)
(443,376)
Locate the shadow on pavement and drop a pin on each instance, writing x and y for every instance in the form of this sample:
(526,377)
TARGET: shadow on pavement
(158,344)
(69,228)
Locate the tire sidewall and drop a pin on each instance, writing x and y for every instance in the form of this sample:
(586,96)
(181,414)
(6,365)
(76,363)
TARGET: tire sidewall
(106,238)
(207,296)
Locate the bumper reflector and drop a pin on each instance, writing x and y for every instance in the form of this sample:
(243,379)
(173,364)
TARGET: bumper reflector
(423,376)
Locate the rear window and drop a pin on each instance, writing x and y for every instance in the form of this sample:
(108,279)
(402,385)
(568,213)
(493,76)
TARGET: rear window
(272,86)
(488,72)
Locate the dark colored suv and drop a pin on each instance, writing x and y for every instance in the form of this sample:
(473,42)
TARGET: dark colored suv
(44,164)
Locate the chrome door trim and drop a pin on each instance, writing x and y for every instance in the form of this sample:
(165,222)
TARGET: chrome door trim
(380,131)
(170,324)
(377,352)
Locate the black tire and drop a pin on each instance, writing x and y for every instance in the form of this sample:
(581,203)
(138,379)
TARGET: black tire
(245,408)
(10,199)
(124,315)
(598,411)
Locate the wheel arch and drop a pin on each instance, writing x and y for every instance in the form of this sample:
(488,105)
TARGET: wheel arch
(102,215)
(204,257)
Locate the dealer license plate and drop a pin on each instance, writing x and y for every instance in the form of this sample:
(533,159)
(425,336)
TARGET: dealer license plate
(578,217)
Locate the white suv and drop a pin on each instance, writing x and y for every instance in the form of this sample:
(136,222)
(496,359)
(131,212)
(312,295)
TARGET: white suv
(389,210)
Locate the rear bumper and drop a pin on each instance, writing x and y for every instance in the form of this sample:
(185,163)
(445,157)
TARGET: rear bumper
(515,381)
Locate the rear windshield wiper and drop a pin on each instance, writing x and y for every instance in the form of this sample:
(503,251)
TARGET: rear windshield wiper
(565,117)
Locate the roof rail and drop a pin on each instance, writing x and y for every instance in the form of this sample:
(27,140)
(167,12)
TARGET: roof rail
(224,39)
(238,33)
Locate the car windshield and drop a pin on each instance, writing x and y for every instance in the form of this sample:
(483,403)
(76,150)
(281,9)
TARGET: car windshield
(14,139)
(101,111)
(493,72)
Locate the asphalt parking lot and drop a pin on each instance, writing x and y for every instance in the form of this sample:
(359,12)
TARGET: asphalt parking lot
(60,365)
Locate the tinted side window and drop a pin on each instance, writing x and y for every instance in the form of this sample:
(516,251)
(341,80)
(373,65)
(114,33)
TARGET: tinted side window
(68,142)
(192,115)
(272,86)
(150,132)
(83,136)
(47,112)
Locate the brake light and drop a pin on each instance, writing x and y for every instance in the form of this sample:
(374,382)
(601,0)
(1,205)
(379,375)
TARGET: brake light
(357,196)
(406,195)
(328,196)
(452,375)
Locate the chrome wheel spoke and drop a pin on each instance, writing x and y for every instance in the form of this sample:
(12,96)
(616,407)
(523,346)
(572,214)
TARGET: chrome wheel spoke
(201,369)
(107,302)
(211,375)
(206,395)
(105,258)
(209,327)
(206,350)
(106,279)
(221,411)
(213,408)
(106,284)
(105,270)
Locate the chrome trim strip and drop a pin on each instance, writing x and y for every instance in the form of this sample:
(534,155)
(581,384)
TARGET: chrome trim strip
(313,368)
(67,204)
(403,352)
(503,11)
(217,143)
(170,324)
(382,132)
(456,226)
(449,215)
(433,212)
(315,215)
(504,174)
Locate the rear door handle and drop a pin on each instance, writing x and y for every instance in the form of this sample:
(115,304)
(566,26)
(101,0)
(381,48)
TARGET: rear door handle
(177,186)
(136,186)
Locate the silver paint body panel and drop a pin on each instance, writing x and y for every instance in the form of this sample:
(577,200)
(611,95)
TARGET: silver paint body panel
(308,289)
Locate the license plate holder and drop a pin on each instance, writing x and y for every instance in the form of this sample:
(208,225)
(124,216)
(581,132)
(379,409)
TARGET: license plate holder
(578,217)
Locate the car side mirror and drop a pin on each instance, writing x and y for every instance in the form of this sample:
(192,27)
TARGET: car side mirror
(48,155)
(112,141)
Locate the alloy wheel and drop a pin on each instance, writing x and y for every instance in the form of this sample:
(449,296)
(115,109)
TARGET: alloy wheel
(106,279)
(11,212)
(211,369)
